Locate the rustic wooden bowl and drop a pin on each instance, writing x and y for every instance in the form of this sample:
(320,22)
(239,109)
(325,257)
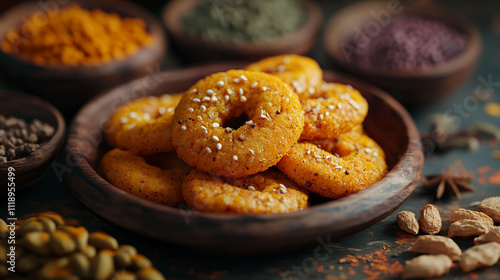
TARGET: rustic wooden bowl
(68,87)
(29,107)
(409,87)
(388,123)
(198,49)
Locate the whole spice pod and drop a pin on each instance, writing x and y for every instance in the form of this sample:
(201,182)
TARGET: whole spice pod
(408,222)
(437,245)
(426,266)
(429,219)
(468,228)
(492,236)
(480,256)
(491,207)
(462,214)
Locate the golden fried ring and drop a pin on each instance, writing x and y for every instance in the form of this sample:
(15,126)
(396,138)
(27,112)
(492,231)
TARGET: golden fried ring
(133,174)
(301,73)
(337,110)
(339,168)
(265,192)
(143,126)
(202,135)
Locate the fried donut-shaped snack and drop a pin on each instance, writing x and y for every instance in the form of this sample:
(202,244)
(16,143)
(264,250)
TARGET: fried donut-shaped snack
(335,111)
(143,126)
(265,192)
(236,123)
(335,168)
(133,174)
(301,73)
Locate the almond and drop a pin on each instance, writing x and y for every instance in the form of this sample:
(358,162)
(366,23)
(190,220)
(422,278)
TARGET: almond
(461,214)
(429,219)
(406,221)
(436,245)
(491,207)
(492,236)
(467,228)
(427,266)
(480,256)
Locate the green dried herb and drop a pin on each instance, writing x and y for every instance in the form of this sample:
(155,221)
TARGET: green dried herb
(238,20)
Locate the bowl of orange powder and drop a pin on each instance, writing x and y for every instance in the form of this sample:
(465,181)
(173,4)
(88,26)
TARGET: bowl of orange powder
(69,53)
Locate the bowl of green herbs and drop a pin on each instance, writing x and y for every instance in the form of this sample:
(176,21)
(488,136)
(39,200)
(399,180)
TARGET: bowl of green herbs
(211,30)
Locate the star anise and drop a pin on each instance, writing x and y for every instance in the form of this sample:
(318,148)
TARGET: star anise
(454,180)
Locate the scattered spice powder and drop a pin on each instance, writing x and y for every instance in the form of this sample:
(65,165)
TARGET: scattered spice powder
(484,173)
(493,143)
(377,265)
(403,237)
(483,170)
(495,178)
(77,36)
(473,275)
(351,271)
(481,181)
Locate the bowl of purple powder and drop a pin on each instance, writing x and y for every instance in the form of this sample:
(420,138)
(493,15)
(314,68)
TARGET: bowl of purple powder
(418,52)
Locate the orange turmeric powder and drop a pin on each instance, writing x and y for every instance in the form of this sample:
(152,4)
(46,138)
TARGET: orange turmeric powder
(77,36)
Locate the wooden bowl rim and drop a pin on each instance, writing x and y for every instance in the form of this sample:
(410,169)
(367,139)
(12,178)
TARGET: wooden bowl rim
(413,151)
(56,139)
(466,57)
(125,9)
(174,10)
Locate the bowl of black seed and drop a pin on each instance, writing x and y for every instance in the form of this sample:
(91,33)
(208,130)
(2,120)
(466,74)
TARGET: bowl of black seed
(31,134)
(418,52)
(214,30)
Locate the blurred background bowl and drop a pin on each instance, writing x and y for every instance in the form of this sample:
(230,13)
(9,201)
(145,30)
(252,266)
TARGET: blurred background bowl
(28,107)
(199,49)
(68,87)
(409,87)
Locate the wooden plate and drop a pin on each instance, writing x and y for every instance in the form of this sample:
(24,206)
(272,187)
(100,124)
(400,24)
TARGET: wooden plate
(388,123)
(29,107)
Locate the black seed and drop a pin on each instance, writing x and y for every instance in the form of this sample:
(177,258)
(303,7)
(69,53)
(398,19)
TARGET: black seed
(179,122)
(347,172)
(278,112)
